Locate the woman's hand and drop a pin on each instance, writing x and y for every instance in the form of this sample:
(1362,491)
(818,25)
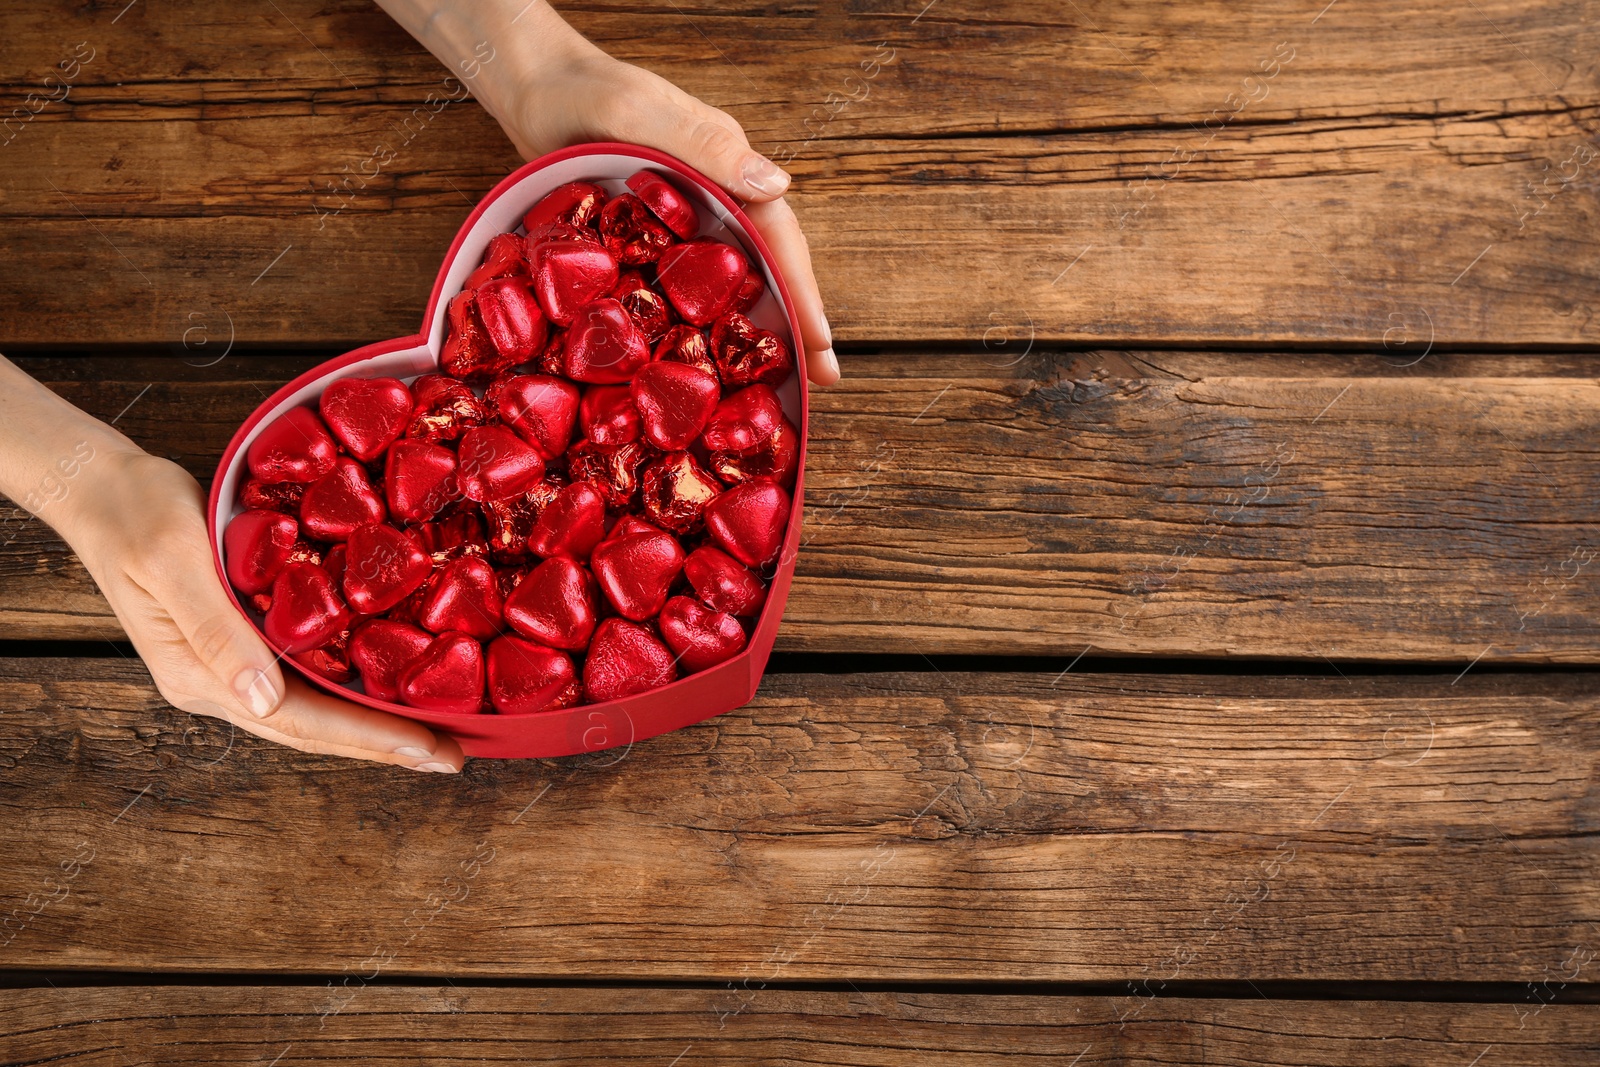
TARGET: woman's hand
(138,524)
(549,87)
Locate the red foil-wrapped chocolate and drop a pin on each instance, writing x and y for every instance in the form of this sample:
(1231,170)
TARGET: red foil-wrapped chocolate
(275,496)
(572,524)
(557,604)
(443,409)
(746,354)
(420,479)
(382,567)
(699,636)
(495,463)
(606,415)
(454,535)
(666,203)
(469,353)
(257,545)
(674,401)
(625,658)
(295,447)
(448,676)
(686,344)
(307,611)
(723,583)
(748,521)
(676,490)
(541,408)
(511,319)
(775,461)
(340,501)
(569,274)
(575,204)
(636,571)
(614,468)
(525,678)
(647,308)
(631,232)
(701,278)
(505,256)
(463,596)
(510,522)
(604,346)
(380,649)
(367,415)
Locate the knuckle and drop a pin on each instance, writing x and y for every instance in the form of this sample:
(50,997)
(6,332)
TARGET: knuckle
(212,638)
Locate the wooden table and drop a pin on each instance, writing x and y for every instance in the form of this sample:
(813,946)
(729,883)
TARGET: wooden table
(1191,659)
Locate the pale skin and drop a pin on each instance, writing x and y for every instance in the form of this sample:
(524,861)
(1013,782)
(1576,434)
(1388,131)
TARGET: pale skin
(138,522)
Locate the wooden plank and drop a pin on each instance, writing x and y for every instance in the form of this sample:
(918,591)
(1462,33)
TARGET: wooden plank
(999,67)
(451,1025)
(881,827)
(1339,508)
(1333,214)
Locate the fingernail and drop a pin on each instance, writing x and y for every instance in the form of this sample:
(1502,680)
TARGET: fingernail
(437,768)
(831,360)
(255,688)
(764,176)
(414,753)
(827,330)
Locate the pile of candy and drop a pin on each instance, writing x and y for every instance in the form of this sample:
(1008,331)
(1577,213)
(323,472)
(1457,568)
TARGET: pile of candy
(597,520)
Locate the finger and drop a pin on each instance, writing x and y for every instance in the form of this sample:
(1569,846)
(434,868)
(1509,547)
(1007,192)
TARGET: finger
(313,721)
(781,230)
(707,139)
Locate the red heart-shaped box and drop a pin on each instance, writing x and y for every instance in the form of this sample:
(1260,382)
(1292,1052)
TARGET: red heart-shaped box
(588,727)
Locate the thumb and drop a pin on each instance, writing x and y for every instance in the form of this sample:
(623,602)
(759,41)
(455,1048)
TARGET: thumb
(714,144)
(223,639)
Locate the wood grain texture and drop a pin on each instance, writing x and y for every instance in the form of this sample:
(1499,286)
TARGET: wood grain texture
(938,826)
(1314,507)
(449,1026)
(1346,209)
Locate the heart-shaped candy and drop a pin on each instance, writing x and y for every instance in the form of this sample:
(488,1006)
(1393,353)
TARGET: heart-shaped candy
(273,496)
(556,604)
(511,319)
(674,402)
(607,415)
(631,232)
(612,468)
(668,205)
(647,308)
(572,525)
(505,256)
(468,352)
(569,274)
(511,521)
(257,545)
(331,662)
(495,463)
(625,658)
(448,676)
(340,501)
(306,609)
(443,409)
(380,649)
(575,204)
(676,491)
(367,415)
(748,522)
(775,461)
(525,677)
(701,278)
(685,344)
(699,637)
(464,595)
(539,407)
(420,479)
(603,344)
(723,583)
(744,421)
(382,567)
(294,447)
(746,354)
(636,571)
